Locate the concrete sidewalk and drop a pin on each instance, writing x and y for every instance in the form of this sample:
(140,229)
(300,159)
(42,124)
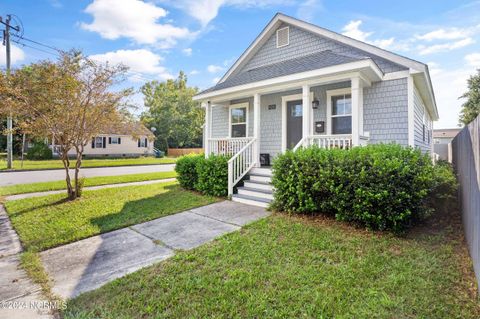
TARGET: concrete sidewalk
(19,297)
(39,194)
(90,263)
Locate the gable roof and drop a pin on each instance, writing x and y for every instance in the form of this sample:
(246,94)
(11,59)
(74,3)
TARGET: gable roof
(302,64)
(128,127)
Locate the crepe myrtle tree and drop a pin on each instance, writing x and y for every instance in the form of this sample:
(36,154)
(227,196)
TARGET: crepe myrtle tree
(70,100)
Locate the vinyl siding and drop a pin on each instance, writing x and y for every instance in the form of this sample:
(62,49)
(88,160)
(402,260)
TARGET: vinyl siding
(385,109)
(419,112)
(128,147)
(303,43)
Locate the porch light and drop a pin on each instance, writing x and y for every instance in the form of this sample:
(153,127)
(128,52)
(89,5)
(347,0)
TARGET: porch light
(315,103)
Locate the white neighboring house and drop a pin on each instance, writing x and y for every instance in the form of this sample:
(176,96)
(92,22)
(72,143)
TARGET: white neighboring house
(119,142)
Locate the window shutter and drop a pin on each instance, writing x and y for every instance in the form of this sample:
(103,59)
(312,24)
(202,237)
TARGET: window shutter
(93,142)
(104,142)
(138,142)
(109,140)
(119,140)
(146,142)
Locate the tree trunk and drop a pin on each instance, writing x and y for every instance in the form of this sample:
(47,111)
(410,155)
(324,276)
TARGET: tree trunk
(78,164)
(66,165)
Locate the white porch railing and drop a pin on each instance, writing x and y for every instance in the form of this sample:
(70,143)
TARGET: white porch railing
(227,146)
(240,164)
(341,141)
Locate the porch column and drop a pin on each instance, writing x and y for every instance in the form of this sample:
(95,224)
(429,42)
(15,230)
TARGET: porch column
(206,129)
(307,111)
(357,110)
(256,128)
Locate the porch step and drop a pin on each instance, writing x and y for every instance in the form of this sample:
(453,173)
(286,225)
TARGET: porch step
(250,200)
(257,189)
(255,192)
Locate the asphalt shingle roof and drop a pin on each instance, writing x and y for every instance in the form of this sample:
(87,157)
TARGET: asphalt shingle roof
(309,62)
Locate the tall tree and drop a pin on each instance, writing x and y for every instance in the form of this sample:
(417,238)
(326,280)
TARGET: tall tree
(70,100)
(471,108)
(171,110)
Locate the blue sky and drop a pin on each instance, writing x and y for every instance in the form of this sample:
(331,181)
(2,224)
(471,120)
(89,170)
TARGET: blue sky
(159,38)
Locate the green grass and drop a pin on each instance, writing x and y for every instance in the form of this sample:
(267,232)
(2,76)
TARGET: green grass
(100,162)
(286,267)
(49,221)
(91,181)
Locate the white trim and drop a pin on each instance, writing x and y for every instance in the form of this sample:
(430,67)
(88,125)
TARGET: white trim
(238,106)
(396,75)
(288,37)
(256,127)
(330,94)
(411,111)
(368,67)
(285,99)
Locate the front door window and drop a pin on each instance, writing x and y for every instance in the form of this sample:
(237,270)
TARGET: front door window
(294,123)
(238,118)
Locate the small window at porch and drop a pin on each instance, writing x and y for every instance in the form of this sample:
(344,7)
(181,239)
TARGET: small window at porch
(342,114)
(238,118)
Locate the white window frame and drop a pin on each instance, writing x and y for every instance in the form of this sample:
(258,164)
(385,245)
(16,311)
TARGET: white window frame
(143,142)
(245,105)
(101,142)
(330,94)
(116,140)
(288,37)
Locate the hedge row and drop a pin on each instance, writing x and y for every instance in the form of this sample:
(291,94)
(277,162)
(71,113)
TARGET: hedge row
(206,175)
(386,187)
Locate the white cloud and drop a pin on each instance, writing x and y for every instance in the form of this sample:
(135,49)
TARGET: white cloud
(473,59)
(16,55)
(187,51)
(309,9)
(434,68)
(206,10)
(352,30)
(140,62)
(215,80)
(194,72)
(442,47)
(442,34)
(133,19)
(215,68)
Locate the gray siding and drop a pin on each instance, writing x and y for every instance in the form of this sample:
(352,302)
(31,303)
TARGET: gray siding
(304,43)
(219,121)
(320,92)
(422,117)
(385,111)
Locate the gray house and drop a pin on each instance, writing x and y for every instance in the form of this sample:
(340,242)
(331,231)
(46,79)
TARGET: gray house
(298,84)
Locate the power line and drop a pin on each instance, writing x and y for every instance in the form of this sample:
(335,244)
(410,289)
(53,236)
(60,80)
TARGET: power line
(38,43)
(36,48)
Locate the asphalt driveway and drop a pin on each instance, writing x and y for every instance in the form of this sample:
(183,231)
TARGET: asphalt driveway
(13,178)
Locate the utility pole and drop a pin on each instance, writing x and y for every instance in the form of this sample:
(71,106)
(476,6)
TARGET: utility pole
(6,42)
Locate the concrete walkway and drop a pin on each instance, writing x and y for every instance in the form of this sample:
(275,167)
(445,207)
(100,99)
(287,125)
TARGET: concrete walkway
(39,194)
(13,178)
(19,297)
(90,263)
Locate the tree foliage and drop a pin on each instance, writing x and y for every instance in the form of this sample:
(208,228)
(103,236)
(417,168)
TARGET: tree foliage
(70,100)
(171,110)
(471,108)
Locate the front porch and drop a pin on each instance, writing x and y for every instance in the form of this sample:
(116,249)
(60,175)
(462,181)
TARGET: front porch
(254,126)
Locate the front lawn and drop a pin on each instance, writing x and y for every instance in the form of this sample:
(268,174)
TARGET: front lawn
(49,221)
(90,181)
(289,267)
(97,162)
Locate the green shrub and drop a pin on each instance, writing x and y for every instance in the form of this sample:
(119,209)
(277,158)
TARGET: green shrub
(186,168)
(213,176)
(39,151)
(382,187)
(443,195)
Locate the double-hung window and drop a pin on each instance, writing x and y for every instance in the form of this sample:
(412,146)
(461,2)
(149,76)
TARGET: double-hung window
(342,114)
(99,142)
(238,121)
(114,140)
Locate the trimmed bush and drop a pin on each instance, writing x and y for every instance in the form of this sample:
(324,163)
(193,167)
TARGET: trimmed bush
(39,151)
(186,168)
(443,195)
(385,187)
(213,176)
